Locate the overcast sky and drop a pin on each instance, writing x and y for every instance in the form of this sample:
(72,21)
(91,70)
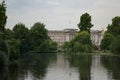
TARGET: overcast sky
(61,14)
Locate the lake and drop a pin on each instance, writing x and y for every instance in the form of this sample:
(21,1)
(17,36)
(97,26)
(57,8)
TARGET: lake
(63,67)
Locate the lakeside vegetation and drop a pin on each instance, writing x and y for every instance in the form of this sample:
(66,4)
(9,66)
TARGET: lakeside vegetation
(111,39)
(81,43)
(21,40)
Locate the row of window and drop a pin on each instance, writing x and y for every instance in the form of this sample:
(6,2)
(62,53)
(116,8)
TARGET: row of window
(57,36)
(59,40)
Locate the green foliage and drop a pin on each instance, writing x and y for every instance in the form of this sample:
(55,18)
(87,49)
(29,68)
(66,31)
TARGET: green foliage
(38,34)
(3,47)
(20,31)
(110,43)
(114,28)
(39,39)
(3,16)
(115,46)
(85,22)
(83,37)
(14,51)
(8,34)
(65,46)
(3,59)
(81,43)
(106,41)
(52,46)
(1,35)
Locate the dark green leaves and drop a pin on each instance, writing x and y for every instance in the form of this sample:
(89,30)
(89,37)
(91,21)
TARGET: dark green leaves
(85,22)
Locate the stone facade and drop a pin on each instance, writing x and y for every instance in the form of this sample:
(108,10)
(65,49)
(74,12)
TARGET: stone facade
(96,37)
(68,34)
(62,36)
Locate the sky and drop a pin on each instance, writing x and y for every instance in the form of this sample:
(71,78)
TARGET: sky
(61,14)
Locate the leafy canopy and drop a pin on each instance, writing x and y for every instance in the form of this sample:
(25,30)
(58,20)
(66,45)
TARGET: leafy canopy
(85,22)
(114,28)
(106,41)
(20,31)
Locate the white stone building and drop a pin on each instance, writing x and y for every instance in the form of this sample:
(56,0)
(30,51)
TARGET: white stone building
(96,37)
(68,34)
(62,36)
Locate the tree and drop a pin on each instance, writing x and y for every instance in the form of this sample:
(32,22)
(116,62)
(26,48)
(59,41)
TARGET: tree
(81,43)
(38,35)
(3,48)
(85,22)
(14,46)
(22,33)
(38,31)
(115,46)
(106,41)
(8,34)
(114,28)
(83,37)
(3,16)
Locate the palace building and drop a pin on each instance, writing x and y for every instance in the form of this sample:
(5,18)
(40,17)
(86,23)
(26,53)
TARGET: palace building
(66,35)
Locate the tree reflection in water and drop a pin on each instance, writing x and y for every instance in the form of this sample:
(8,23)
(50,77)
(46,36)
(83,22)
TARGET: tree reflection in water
(112,63)
(83,63)
(13,72)
(36,65)
(3,73)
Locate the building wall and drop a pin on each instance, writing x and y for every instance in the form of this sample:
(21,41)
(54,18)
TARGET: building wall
(62,36)
(68,34)
(96,37)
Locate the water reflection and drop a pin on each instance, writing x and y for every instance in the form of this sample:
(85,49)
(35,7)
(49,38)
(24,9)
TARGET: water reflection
(63,67)
(98,71)
(13,72)
(61,70)
(112,63)
(34,66)
(83,63)
(3,73)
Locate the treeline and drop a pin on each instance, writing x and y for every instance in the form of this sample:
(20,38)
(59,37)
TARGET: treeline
(111,39)
(34,39)
(21,40)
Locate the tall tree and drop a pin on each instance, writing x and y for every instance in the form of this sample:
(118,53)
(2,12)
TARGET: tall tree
(38,35)
(3,16)
(21,33)
(114,28)
(85,22)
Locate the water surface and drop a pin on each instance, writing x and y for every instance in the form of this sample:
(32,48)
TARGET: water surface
(63,67)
